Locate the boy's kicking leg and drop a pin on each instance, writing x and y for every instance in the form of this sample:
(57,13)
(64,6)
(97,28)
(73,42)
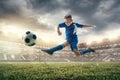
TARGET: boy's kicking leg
(57,48)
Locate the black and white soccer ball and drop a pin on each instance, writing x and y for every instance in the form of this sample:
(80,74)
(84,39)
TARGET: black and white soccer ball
(29,38)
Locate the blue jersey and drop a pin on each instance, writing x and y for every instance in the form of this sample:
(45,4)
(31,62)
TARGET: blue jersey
(71,31)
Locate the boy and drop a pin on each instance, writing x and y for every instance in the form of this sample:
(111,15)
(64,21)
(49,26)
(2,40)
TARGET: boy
(71,37)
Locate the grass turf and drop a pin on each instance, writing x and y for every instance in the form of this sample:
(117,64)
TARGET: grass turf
(60,71)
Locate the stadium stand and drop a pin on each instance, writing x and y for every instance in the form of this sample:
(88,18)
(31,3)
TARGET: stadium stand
(105,51)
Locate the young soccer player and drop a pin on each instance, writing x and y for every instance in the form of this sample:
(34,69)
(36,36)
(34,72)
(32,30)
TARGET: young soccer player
(71,37)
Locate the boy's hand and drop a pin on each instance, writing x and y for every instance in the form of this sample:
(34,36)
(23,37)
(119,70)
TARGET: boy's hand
(86,26)
(59,33)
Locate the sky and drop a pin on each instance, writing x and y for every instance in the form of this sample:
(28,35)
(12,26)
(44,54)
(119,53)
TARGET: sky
(43,16)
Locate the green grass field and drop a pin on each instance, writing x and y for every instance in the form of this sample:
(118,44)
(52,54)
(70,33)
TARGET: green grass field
(60,71)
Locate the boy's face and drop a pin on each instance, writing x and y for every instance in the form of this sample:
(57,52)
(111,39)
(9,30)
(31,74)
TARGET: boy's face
(68,20)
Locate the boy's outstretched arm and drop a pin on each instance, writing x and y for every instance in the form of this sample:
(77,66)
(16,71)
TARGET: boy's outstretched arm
(86,26)
(58,31)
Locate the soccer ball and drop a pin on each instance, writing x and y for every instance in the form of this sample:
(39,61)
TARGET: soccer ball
(29,38)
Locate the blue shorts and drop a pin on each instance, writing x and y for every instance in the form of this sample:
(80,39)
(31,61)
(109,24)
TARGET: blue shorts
(73,43)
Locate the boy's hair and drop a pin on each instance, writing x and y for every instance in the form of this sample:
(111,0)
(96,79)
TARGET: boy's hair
(68,16)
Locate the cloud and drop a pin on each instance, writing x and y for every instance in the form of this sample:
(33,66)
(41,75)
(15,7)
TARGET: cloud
(108,11)
(98,12)
(47,14)
(44,7)
(12,11)
(8,9)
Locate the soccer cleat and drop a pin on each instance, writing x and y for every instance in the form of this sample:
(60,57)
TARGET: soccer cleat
(92,50)
(47,51)
(85,51)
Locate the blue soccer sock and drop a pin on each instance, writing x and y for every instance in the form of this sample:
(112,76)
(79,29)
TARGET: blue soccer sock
(57,48)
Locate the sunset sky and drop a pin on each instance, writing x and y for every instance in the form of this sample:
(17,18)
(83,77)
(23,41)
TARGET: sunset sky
(43,16)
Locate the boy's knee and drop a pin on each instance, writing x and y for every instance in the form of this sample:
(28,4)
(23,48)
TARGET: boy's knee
(66,44)
(77,53)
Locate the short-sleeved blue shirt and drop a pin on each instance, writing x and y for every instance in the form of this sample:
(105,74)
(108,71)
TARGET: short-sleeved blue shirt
(71,31)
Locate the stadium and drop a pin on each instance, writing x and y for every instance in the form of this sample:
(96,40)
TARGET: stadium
(27,27)
(18,61)
(106,51)
(28,63)
(21,62)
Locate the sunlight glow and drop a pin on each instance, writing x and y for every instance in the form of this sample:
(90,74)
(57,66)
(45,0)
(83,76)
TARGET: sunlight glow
(14,29)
